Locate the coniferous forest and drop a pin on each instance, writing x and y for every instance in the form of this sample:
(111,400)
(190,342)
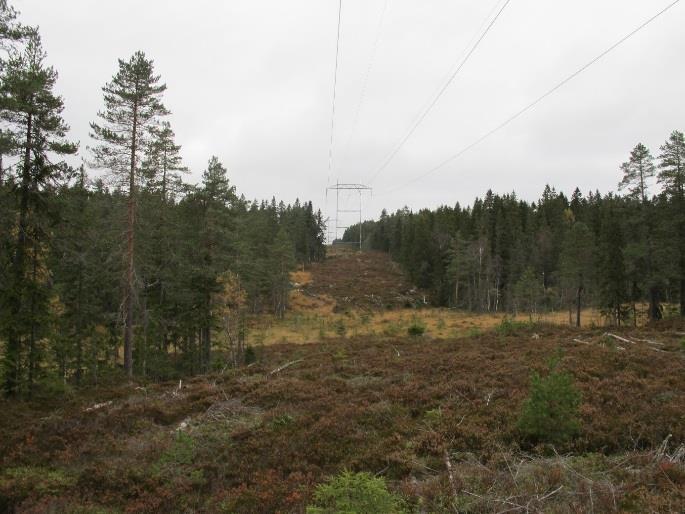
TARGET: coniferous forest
(127,257)
(622,253)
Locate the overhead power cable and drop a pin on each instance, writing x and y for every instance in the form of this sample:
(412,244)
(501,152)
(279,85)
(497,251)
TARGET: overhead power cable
(365,81)
(335,83)
(439,94)
(537,100)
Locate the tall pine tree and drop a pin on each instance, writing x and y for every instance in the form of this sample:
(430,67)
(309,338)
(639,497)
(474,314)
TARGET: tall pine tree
(33,113)
(672,178)
(133,105)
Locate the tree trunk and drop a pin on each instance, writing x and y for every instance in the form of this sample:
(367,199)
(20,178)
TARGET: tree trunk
(79,330)
(164,166)
(579,293)
(33,357)
(654,304)
(634,314)
(130,273)
(206,348)
(13,348)
(682,281)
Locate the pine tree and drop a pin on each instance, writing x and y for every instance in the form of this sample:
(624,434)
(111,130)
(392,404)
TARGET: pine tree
(672,178)
(163,162)
(637,173)
(11,31)
(132,106)
(32,111)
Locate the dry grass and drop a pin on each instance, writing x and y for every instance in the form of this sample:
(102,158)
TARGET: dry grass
(301,278)
(312,319)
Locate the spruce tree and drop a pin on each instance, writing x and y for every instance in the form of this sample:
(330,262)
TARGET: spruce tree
(576,262)
(133,105)
(611,269)
(216,197)
(528,292)
(282,254)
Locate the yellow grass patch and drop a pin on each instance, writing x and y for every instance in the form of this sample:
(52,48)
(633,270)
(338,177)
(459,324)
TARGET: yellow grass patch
(302,303)
(301,278)
(312,320)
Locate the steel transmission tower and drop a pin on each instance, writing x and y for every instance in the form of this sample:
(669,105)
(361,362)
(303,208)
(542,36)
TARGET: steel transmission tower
(361,189)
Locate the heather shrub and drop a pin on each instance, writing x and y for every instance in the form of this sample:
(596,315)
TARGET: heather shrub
(355,493)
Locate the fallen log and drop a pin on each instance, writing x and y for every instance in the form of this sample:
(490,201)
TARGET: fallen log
(284,366)
(619,338)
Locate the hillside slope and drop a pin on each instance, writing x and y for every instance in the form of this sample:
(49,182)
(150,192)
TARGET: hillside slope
(361,280)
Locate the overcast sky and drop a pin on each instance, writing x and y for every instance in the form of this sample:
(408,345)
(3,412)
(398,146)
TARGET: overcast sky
(251,81)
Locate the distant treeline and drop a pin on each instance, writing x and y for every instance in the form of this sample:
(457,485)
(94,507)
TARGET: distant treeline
(136,262)
(613,252)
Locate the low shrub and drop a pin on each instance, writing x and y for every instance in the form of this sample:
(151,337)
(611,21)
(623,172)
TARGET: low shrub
(433,416)
(181,452)
(417,328)
(474,332)
(355,493)
(249,356)
(392,330)
(282,421)
(340,328)
(550,413)
(510,327)
(24,481)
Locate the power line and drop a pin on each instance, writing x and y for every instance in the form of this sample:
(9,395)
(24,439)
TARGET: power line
(538,100)
(335,83)
(437,97)
(365,81)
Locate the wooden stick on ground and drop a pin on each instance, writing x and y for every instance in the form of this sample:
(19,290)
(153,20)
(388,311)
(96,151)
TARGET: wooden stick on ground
(286,365)
(450,475)
(619,338)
